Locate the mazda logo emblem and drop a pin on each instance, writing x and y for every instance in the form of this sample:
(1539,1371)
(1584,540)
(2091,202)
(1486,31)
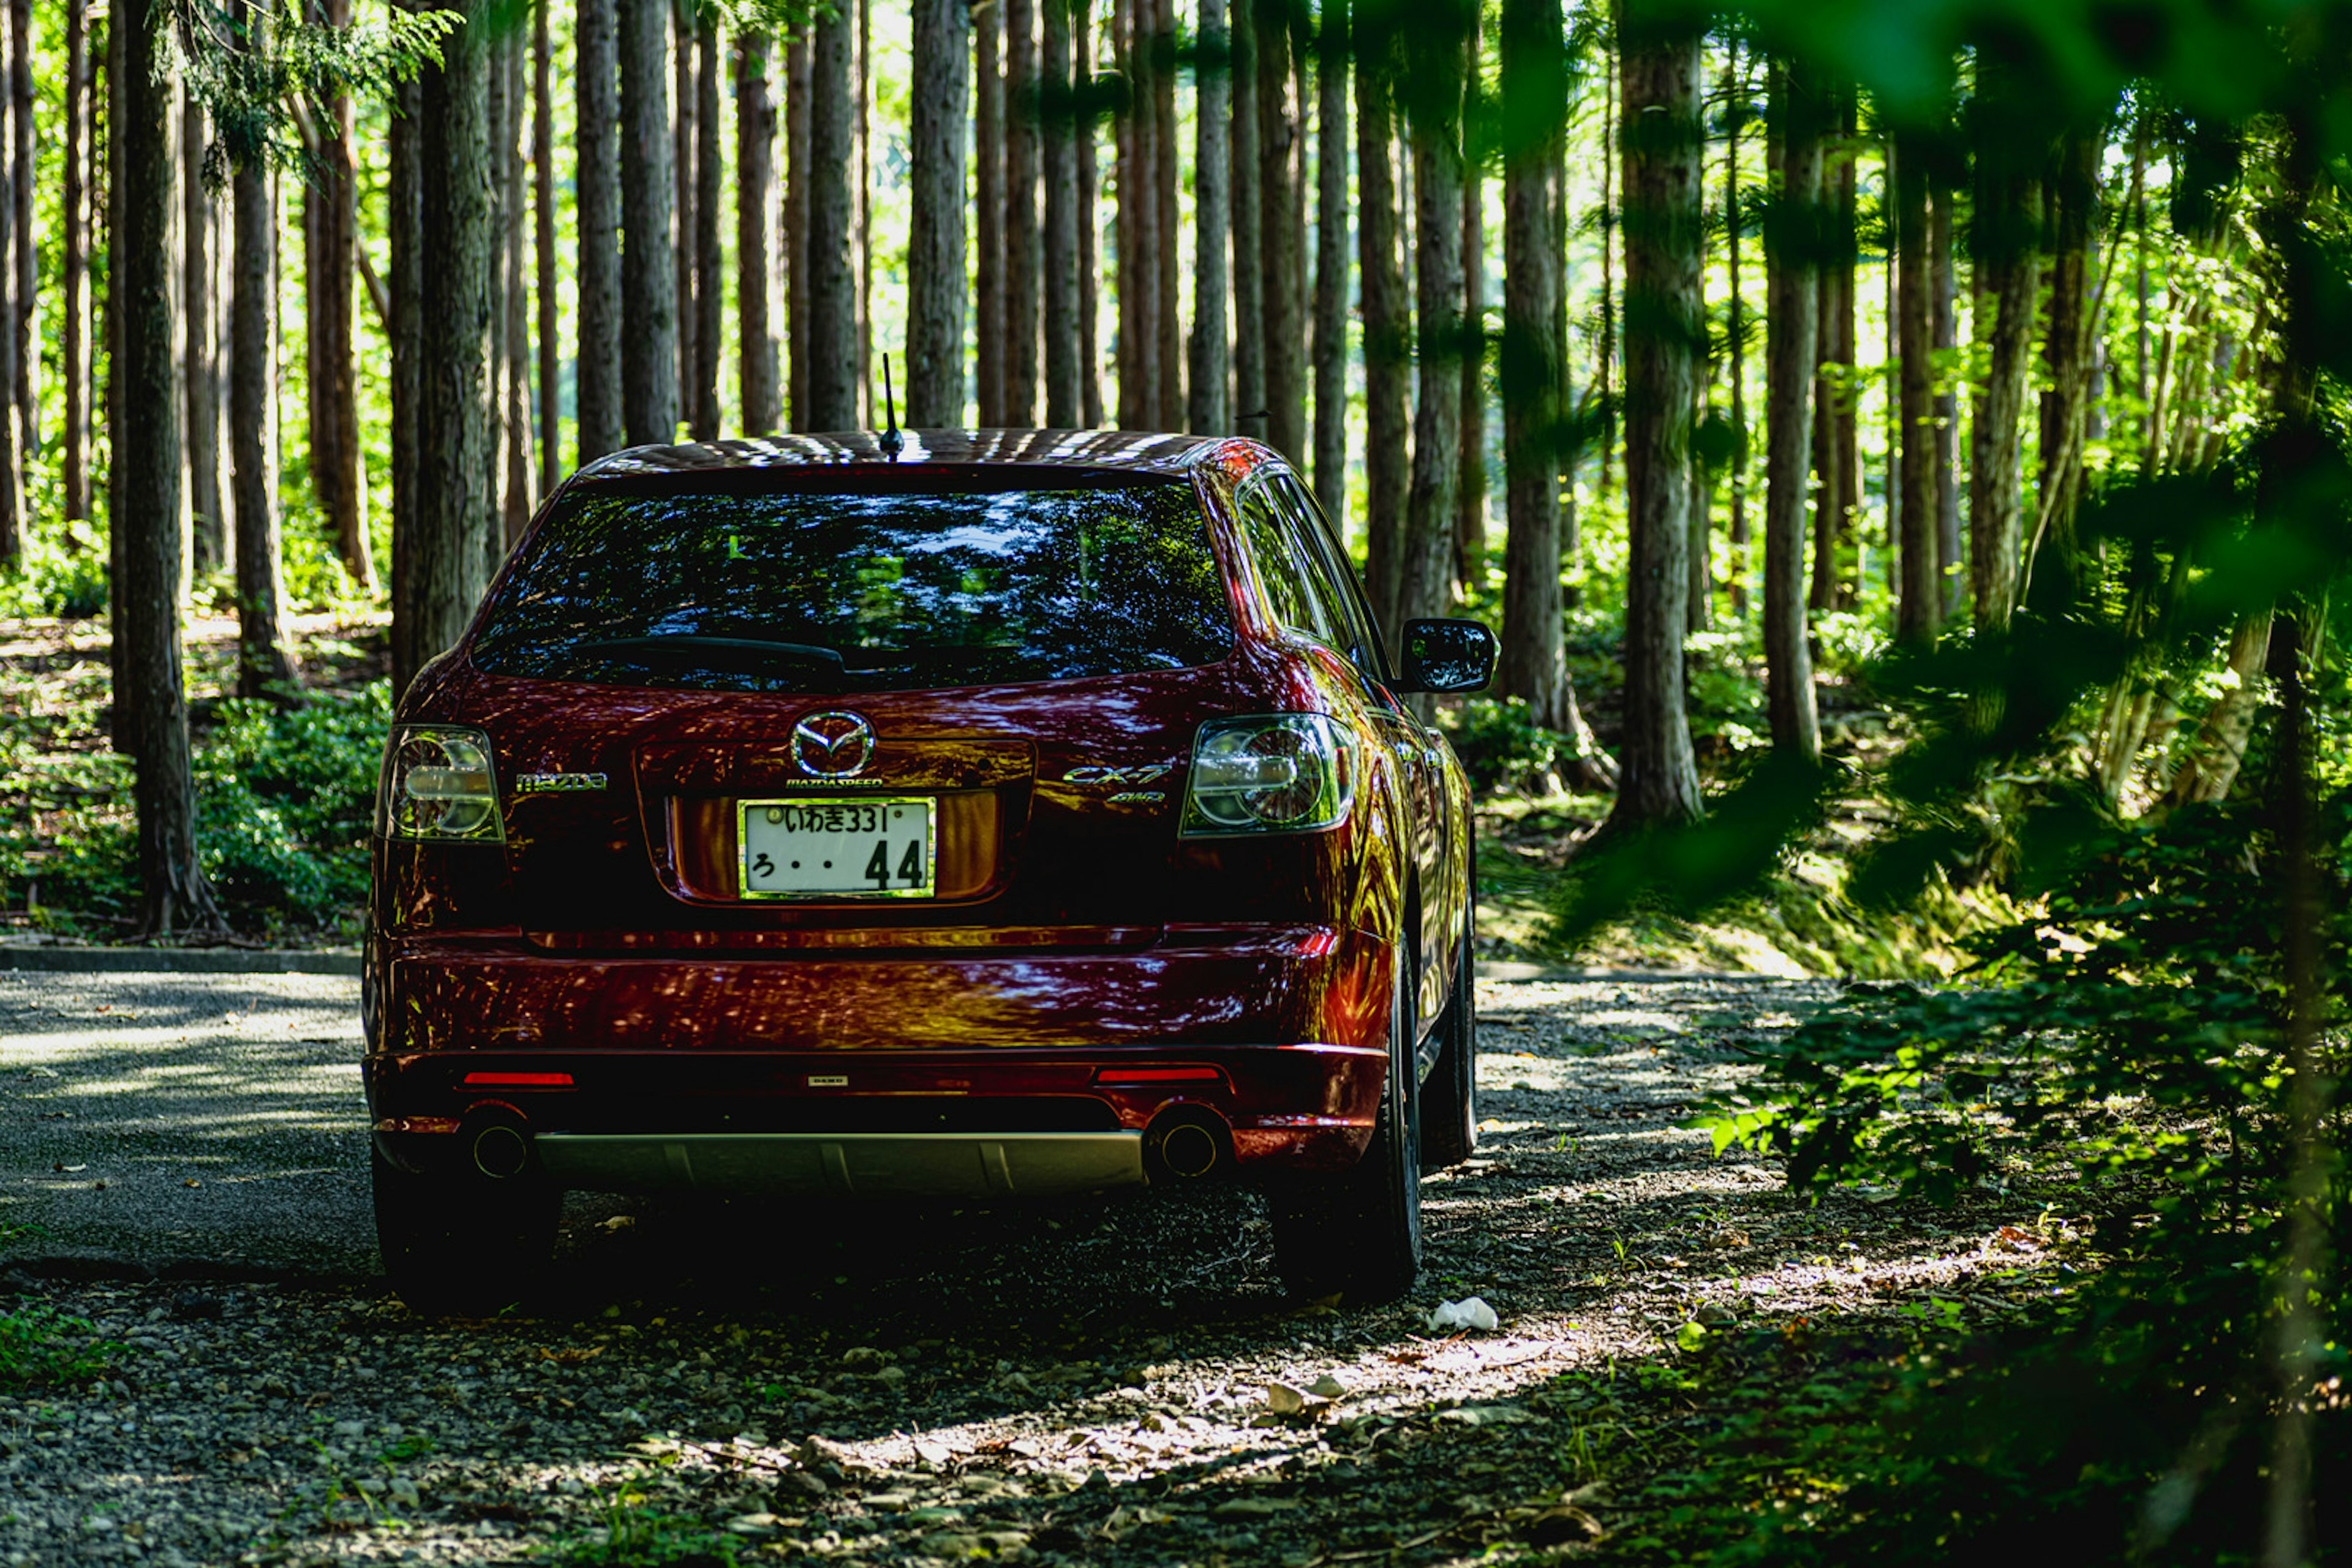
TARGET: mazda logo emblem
(833,744)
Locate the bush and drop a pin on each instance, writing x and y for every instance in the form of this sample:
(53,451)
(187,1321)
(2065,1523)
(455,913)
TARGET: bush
(283,802)
(1500,744)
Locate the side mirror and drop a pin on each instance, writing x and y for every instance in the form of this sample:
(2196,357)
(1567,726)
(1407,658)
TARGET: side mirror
(1447,656)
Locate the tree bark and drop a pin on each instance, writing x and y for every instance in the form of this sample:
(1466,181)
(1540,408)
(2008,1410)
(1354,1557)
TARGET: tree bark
(28,251)
(988,203)
(681,58)
(755,255)
(1331,259)
(12,426)
(1734,120)
(1434,127)
(1662,142)
(404,228)
(1534,662)
(1280,146)
(1470,502)
(73,331)
(2007,278)
(1059,128)
(1168,330)
(104,116)
(710,258)
(800,58)
(833,280)
(200,238)
(1919,611)
(330,206)
(1249,285)
(650,323)
(515,310)
(1024,248)
(935,244)
(1951,563)
(1090,400)
(598,194)
(265,667)
(145,492)
(457,282)
(543,166)
(1208,413)
(1792,341)
(1138,227)
(1387,350)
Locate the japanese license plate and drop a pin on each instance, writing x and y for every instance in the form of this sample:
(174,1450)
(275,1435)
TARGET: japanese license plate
(874,846)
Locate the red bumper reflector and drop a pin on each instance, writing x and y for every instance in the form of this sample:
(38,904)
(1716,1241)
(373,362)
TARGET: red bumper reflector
(517,1080)
(1321,945)
(1157,1074)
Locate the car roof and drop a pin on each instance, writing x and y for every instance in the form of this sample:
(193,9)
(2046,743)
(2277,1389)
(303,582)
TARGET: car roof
(1116,451)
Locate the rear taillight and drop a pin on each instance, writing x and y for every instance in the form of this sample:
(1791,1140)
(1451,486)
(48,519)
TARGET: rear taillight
(1275,772)
(438,783)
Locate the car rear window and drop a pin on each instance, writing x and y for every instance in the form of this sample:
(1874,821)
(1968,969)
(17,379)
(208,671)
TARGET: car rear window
(809,590)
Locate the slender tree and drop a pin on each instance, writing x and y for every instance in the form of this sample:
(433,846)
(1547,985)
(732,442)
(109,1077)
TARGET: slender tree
(597,176)
(1386,314)
(1059,128)
(514,308)
(2007,273)
(1208,413)
(404,228)
(649,324)
(935,246)
(542,189)
(1734,120)
(832,282)
(1281,142)
(1433,123)
(1793,288)
(1090,401)
(1249,292)
(680,56)
(1470,502)
(988,204)
(1167,351)
(800,58)
(144,486)
(1023,244)
(1919,611)
(26,255)
(456,521)
(1661,140)
(755,254)
(710,260)
(1138,227)
(265,665)
(331,236)
(12,425)
(1332,258)
(1952,563)
(200,240)
(73,330)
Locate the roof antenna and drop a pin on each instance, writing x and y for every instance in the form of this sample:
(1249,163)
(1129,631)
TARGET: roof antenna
(892,443)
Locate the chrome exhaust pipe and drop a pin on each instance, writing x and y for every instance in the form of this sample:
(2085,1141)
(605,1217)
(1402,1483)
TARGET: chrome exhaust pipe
(1185,1143)
(501,1152)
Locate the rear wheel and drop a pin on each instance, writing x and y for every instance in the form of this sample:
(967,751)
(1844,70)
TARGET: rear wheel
(462,1246)
(1359,1233)
(1449,1111)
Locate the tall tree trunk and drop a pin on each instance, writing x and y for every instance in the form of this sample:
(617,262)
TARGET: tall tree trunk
(2007,275)
(1435,125)
(1024,250)
(264,666)
(680,57)
(1605,345)
(2066,352)
(1387,349)
(1331,259)
(405,230)
(542,206)
(988,203)
(515,307)
(13,428)
(1660,77)
(649,324)
(145,490)
(935,245)
(330,206)
(199,239)
(833,280)
(1951,563)
(1733,122)
(863,205)
(755,255)
(27,235)
(800,66)
(73,331)
(1168,330)
(597,175)
(1792,341)
(1090,400)
(1919,612)
(710,258)
(111,104)
(1208,414)
(1280,146)
(1138,227)
(457,289)
(1470,503)
(1063,407)
(1249,284)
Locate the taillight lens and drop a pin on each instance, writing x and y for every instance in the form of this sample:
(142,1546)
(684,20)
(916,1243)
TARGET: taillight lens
(1280,772)
(438,785)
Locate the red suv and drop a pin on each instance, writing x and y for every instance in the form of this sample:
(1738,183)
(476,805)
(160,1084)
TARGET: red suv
(960,814)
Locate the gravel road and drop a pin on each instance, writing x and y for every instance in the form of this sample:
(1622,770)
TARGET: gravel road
(1114,1381)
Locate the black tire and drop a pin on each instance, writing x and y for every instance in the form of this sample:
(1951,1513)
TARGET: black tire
(462,1247)
(1449,1108)
(1359,1234)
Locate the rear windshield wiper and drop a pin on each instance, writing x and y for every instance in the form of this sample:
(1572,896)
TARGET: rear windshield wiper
(689,643)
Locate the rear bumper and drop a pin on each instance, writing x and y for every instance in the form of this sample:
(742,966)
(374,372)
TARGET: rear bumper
(962,1075)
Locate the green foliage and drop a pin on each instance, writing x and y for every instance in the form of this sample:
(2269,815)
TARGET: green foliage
(64,574)
(284,798)
(1501,747)
(41,1347)
(638,1536)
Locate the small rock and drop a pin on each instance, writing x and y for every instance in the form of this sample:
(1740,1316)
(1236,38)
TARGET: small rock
(861,1358)
(1716,1314)
(1285,1400)
(1329,1386)
(799,1487)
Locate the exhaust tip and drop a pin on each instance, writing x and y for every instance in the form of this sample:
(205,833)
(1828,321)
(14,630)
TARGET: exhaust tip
(501,1152)
(1185,1143)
